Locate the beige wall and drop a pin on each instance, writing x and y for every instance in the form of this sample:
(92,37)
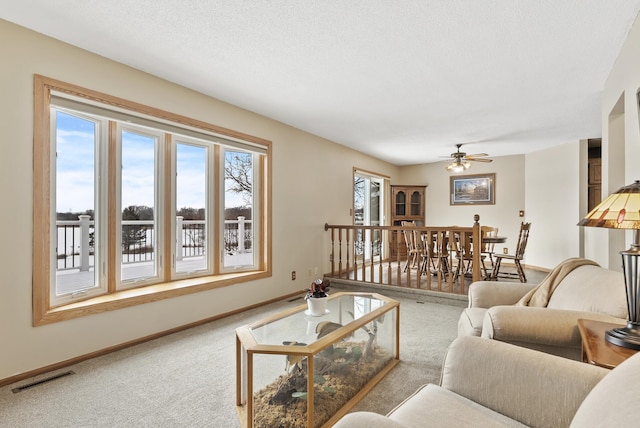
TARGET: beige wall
(620,141)
(312,182)
(509,196)
(553,199)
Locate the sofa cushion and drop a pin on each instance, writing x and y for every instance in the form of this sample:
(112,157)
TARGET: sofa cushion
(470,322)
(367,420)
(446,409)
(613,402)
(591,289)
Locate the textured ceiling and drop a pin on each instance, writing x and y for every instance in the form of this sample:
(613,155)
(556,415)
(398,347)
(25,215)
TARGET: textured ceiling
(404,81)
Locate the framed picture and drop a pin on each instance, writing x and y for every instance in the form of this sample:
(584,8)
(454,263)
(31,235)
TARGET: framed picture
(479,189)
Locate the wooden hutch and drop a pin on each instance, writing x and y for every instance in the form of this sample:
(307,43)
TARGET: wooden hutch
(407,204)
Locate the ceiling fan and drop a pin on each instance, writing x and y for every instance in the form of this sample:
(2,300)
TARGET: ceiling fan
(462,161)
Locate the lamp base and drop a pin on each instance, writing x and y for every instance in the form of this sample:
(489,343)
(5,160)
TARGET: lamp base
(627,337)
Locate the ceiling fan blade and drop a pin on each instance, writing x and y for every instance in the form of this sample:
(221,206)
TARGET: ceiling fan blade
(478,155)
(479,160)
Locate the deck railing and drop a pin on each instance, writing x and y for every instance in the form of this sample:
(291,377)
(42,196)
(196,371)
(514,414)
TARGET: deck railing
(75,240)
(366,254)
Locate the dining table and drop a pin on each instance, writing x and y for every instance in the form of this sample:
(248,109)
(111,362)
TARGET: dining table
(494,239)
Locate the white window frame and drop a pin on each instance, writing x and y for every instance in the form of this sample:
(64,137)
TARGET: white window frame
(100,202)
(159,172)
(255,213)
(209,206)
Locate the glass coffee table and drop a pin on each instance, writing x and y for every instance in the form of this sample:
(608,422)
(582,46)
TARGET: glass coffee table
(339,356)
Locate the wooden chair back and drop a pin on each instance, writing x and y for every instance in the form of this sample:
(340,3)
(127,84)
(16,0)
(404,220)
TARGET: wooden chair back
(523,238)
(409,236)
(488,231)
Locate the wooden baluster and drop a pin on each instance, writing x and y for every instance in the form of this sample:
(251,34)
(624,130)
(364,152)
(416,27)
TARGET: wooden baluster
(463,244)
(444,267)
(363,242)
(371,253)
(452,252)
(399,263)
(388,234)
(340,250)
(407,272)
(331,257)
(427,238)
(477,248)
(379,247)
(418,244)
(348,251)
(440,265)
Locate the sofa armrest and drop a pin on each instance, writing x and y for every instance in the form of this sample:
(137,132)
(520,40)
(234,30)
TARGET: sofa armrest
(541,326)
(485,294)
(532,387)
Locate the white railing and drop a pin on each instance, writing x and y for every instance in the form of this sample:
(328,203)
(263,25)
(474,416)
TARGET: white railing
(75,240)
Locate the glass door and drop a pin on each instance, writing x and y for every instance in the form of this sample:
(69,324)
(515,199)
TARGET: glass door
(368,202)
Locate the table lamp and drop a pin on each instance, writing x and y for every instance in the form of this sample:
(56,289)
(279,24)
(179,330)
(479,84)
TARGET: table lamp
(621,210)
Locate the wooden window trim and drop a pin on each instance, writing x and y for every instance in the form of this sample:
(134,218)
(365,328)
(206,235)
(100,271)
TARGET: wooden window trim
(42,274)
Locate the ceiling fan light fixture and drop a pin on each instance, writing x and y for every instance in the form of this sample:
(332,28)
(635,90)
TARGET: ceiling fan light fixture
(458,166)
(462,162)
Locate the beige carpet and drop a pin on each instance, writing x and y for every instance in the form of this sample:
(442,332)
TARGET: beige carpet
(188,379)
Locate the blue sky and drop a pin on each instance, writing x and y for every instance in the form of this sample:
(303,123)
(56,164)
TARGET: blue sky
(75,169)
(74,163)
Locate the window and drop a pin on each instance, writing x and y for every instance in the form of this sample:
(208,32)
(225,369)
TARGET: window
(131,202)
(192,225)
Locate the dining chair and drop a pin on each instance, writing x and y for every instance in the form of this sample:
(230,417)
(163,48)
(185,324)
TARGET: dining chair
(464,255)
(412,247)
(523,238)
(435,253)
(487,248)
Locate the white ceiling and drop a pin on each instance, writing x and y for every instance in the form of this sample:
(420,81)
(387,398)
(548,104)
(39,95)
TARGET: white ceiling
(402,80)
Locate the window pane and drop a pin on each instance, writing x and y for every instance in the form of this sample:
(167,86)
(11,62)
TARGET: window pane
(238,209)
(376,188)
(191,211)
(359,200)
(139,232)
(367,204)
(75,140)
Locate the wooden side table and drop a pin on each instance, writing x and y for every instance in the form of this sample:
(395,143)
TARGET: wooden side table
(595,348)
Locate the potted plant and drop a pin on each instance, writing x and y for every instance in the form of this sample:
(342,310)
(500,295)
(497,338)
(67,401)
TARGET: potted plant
(317,297)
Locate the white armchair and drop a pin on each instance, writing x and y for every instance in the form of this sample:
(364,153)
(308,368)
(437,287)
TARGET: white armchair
(487,383)
(588,291)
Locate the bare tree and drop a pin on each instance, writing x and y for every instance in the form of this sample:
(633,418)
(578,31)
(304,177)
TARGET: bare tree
(238,168)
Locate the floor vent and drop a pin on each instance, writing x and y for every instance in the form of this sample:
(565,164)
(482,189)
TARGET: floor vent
(40,382)
(294,299)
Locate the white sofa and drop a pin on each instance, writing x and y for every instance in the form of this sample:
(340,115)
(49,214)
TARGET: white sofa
(588,291)
(486,383)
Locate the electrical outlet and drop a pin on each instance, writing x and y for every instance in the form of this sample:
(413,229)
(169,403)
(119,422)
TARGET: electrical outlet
(505,250)
(293,275)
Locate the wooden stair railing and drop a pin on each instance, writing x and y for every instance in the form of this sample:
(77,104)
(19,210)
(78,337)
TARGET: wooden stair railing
(362,254)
